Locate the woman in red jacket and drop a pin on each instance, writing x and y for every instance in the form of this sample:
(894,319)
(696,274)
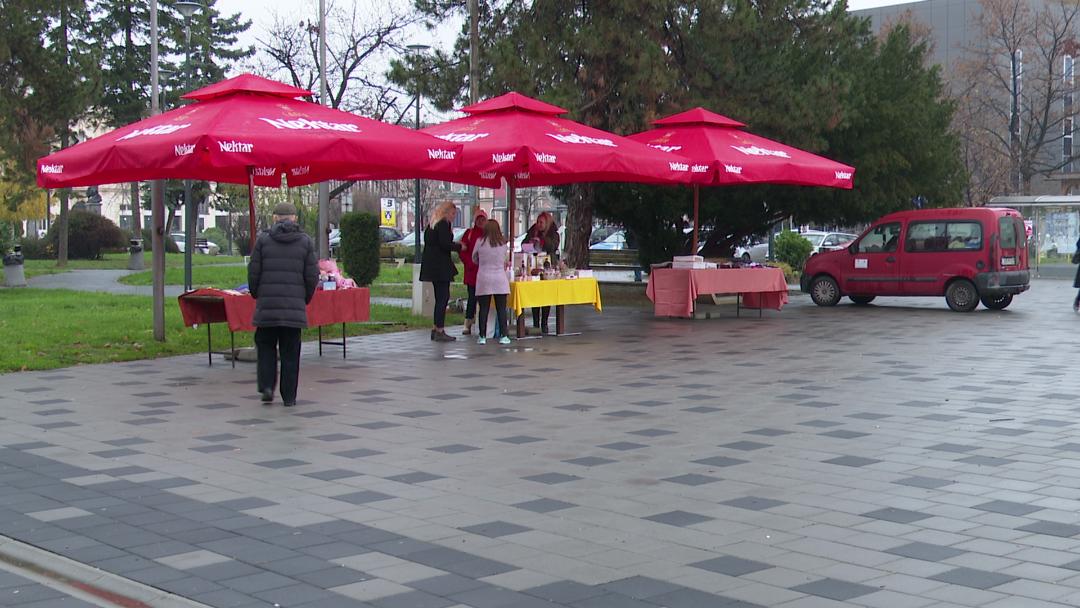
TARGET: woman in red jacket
(468,242)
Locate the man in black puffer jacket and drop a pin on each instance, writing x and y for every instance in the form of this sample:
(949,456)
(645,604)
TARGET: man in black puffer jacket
(282,277)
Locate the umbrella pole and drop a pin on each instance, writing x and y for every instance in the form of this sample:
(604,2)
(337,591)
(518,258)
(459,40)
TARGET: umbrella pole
(251,209)
(694,240)
(511,197)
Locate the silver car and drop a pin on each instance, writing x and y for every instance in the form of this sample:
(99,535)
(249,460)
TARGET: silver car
(819,240)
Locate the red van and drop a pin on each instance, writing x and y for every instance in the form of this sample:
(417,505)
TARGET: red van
(967,254)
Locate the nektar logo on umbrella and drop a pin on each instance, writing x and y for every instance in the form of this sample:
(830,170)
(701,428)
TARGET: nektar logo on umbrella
(264,171)
(666,148)
(843,175)
(574,138)
(236,146)
(52,168)
(759,151)
(736,169)
(438,154)
(158,130)
(462,138)
(503,157)
(184,149)
(305,124)
(543,157)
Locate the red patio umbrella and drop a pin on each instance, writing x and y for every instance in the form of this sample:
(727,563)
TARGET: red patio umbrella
(524,141)
(252,130)
(723,154)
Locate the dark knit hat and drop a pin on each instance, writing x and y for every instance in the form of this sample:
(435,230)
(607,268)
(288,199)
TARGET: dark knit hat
(283,209)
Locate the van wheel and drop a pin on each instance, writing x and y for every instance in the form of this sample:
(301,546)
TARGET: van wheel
(862,300)
(998,303)
(824,291)
(962,296)
(746,257)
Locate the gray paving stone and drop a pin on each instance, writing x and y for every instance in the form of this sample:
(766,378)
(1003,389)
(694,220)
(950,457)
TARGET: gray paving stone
(731,566)
(641,587)
(900,516)
(495,529)
(925,551)
(552,478)
(1007,507)
(835,589)
(678,518)
(969,577)
(754,503)
(544,505)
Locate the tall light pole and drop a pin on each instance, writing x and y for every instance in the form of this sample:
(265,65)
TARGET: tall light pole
(323,244)
(187,9)
(157,195)
(417,50)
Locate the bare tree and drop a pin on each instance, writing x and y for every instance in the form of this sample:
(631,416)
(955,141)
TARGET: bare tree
(1018,88)
(358,52)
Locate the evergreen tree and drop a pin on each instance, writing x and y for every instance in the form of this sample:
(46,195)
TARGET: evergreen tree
(123,30)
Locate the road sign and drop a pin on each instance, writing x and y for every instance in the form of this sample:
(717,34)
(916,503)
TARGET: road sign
(389,211)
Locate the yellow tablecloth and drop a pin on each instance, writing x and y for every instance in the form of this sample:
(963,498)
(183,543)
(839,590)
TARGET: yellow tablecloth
(530,294)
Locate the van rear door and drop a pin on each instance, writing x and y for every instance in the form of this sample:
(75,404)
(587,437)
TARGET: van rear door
(1011,251)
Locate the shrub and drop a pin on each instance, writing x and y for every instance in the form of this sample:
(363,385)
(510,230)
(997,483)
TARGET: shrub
(360,246)
(89,234)
(34,248)
(792,249)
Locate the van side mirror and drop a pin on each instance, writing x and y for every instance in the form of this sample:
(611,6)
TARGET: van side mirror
(852,249)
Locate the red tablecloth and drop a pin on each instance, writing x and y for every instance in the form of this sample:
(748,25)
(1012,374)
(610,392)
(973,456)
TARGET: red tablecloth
(673,290)
(326,308)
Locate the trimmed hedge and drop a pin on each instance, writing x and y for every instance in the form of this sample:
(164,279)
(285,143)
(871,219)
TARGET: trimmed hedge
(360,246)
(89,235)
(792,249)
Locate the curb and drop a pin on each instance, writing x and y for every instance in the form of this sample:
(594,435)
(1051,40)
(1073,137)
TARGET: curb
(83,581)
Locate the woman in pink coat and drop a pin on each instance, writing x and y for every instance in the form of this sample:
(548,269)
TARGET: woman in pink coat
(492,263)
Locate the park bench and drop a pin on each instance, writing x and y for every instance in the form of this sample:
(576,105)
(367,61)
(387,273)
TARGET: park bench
(621,259)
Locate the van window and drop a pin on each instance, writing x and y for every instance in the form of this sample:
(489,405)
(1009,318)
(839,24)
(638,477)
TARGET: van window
(1007,228)
(881,239)
(943,236)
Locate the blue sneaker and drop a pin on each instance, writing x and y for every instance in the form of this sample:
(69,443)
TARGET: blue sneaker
(481,340)
(504,340)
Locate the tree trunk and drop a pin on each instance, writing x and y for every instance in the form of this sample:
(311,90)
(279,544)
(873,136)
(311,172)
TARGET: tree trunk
(579,220)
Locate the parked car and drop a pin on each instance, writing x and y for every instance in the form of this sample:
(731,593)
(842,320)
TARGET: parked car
(616,241)
(966,254)
(387,234)
(409,240)
(202,245)
(821,241)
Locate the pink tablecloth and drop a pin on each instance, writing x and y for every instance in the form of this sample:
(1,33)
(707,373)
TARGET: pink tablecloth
(325,308)
(674,290)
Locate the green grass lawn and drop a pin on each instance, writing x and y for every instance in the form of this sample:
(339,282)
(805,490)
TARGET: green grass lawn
(46,329)
(119,261)
(392,282)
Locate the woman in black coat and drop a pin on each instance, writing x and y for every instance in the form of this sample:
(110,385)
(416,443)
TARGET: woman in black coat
(1076,281)
(437,267)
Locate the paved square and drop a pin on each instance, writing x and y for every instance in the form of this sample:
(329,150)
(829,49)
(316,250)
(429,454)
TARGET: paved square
(897,454)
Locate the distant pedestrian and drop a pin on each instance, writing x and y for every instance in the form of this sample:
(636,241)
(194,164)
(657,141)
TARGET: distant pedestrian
(282,277)
(437,267)
(468,243)
(493,261)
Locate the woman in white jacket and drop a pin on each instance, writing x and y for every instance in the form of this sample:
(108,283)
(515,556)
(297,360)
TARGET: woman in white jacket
(492,258)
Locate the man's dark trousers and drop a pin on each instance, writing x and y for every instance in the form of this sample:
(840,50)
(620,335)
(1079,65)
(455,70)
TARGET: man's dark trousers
(269,342)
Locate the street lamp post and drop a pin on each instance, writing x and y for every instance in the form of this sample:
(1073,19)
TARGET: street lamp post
(188,9)
(417,50)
